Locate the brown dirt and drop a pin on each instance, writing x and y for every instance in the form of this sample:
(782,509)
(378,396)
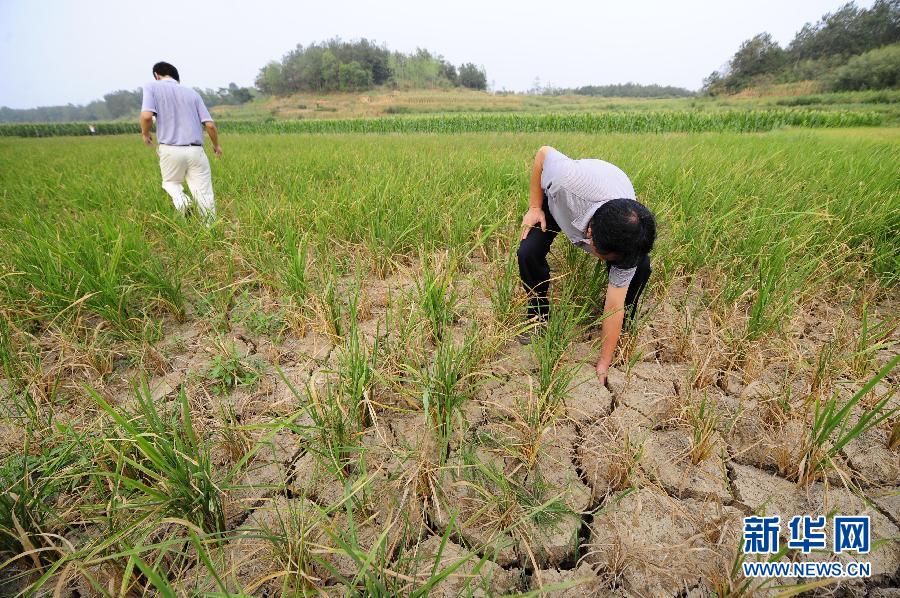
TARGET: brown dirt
(476,576)
(581,582)
(640,506)
(652,544)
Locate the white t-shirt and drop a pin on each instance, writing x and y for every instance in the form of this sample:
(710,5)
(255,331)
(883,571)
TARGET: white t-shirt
(575,190)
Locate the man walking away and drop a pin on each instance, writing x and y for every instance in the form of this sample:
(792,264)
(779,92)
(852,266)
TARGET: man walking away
(181,116)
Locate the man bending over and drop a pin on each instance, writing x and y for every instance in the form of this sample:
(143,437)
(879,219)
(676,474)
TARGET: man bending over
(593,203)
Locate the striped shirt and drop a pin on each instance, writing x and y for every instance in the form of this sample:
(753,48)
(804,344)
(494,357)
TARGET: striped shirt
(575,190)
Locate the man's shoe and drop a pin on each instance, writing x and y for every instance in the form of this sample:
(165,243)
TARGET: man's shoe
(534,330)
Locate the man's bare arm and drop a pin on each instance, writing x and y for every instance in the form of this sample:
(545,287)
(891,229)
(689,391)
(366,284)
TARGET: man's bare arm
(213,136)
(535,214)
(146,124)
(611,328)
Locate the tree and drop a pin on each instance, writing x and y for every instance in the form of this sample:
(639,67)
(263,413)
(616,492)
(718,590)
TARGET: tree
(759,54)
(472,76)
(123,102)
(270,78)
(354,77)
(712,83)
(623,90)
(818,51)
(876,69)
(331,71)
(370,56)
(229,96)
(848,31)
(337,64)
(240,95)
(422,69)
(448,72)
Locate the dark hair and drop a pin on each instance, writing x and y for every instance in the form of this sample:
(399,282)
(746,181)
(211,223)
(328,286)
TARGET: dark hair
(624,228)
(164,69)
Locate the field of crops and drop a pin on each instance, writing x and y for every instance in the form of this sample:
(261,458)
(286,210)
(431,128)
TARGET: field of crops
(602,122)
(380,103)
(320,394)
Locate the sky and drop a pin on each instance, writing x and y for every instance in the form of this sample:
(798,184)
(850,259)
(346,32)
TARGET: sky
(58,52)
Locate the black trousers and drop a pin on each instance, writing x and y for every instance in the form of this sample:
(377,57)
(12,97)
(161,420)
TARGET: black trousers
(535,271)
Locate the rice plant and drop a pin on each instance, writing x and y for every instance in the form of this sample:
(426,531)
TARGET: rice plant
(704,421)
(437,298)
(894,439)
(334,436)
(512,505)
(10,363)
(98,264)
(357,365)
(504,291)
(30,516)
(833,425)
(295,273)
(329,305)
(159,464)
(873,337)
(294,539)
(554,375)
(446,385)
(824,370)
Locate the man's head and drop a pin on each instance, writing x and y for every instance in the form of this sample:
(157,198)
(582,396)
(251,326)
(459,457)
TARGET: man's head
(164,69)
(623,230)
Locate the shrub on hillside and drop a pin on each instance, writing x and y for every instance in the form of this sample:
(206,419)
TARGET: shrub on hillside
(877,69)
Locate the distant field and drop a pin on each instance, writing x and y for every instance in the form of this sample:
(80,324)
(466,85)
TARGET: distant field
(321,394)
(662,121)
(459,111)
(385,103)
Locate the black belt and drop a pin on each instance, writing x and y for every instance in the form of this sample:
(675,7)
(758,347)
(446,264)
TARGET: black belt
(185,145)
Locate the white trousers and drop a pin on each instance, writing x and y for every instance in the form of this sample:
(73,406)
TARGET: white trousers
(187,163)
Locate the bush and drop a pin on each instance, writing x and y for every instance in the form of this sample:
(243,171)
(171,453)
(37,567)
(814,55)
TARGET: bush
(354,77)
(877,69)
(472,77)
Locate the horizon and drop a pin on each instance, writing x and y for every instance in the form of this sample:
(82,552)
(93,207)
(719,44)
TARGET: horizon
(704,37)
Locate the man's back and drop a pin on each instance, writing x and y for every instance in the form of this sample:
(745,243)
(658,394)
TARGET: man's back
(180,112)
(590,179)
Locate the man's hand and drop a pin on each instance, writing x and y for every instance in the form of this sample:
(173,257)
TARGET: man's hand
(613,317)
(146,121)
(602,370)
(213,136)
(532,218)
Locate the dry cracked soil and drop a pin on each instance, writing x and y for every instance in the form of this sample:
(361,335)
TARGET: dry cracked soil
(626,492)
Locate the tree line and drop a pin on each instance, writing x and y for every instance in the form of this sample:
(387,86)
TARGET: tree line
(850,49)
(337,65)
(115,105)
(617,90)
(334,65)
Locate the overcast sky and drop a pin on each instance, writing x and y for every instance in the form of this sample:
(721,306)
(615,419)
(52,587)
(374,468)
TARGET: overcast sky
(56,52)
